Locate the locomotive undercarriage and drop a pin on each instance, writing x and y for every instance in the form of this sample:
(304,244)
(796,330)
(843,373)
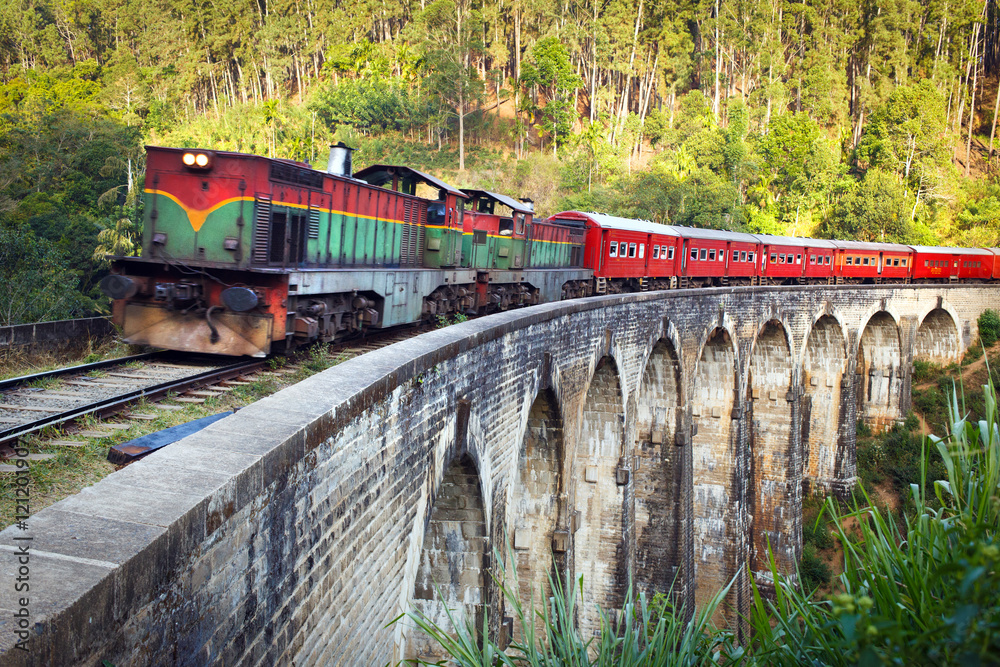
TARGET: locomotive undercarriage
(327,317)
(478,298)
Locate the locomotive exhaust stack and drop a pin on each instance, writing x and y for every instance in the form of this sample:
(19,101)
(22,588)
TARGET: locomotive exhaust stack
(339,163)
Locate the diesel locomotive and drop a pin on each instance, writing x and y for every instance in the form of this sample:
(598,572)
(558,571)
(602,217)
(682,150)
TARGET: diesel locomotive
(247,255)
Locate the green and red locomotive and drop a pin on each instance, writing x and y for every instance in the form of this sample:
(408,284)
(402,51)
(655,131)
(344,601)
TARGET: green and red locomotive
(244,255)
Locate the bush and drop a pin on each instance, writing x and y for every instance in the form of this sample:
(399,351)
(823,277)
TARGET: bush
(989,327)
(922,370)
(812,569)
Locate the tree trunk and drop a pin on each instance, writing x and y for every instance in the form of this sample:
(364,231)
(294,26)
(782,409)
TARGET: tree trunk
(993,130)
(972,100)
(718,64)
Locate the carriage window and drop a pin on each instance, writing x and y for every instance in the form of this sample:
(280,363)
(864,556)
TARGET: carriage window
(774,258)
(613,250)
(704,254)
(903,262)
(622,249)
(711,255)
(895,262)
(642,249)
(752,256)
(865,261)
(670,252)
(956,265)
(798,259)
(812,259)
(848,261)
(631,250)
(656,252)
(926,263)
(743,256)
(694,253)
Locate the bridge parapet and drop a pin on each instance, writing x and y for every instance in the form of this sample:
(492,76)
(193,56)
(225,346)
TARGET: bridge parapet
(639,436)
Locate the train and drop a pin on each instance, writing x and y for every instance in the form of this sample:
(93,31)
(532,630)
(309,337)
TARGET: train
(248,255)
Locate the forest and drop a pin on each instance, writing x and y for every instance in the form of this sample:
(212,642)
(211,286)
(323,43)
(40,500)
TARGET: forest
(870,120)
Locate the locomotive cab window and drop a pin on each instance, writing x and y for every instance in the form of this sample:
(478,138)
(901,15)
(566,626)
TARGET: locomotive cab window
(506,227)
(613,250)
(519,219)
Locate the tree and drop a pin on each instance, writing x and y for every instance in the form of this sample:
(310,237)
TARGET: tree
(38,284)
(549,72)
(874,210)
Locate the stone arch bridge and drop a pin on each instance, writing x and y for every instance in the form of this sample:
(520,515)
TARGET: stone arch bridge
(659,438)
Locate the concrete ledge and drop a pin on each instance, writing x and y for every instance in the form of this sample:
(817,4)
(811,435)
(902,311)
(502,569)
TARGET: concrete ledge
(57,336)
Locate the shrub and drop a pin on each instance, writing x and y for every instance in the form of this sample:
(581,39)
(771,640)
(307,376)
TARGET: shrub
(812,569)
(989,327)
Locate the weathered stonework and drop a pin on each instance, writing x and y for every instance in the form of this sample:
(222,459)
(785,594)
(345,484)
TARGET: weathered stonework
(652,438)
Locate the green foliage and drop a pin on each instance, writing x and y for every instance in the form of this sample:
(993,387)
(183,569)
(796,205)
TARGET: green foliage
(367,105)
(989,327)
(925,593)
(812,569)
(38,284)
(550,71)
(874,210)
(649,632)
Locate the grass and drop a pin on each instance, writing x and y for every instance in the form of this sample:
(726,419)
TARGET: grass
(75,468)
(16,363)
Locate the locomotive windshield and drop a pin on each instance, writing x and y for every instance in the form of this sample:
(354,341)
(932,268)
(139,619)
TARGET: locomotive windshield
(435,213)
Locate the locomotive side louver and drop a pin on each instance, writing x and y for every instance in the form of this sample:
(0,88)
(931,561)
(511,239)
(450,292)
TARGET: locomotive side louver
(261,228)
(407,247)
(313,223)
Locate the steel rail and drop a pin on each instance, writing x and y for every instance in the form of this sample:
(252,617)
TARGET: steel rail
(10,383)
(118,403)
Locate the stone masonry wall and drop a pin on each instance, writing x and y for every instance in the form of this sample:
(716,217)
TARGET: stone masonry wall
(295,530)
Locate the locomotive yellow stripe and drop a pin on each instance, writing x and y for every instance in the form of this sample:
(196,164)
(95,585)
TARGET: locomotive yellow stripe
(196,216)
(497,236)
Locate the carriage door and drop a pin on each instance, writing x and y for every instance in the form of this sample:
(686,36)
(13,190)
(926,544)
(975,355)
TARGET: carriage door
(880,263)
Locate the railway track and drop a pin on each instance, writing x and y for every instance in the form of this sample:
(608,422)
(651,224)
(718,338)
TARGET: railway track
(31,403)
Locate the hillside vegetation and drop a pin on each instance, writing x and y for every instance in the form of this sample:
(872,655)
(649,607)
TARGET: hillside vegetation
(872,121)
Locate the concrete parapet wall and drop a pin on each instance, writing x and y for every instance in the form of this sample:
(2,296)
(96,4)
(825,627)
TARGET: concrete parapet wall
(58,336)
(297,529)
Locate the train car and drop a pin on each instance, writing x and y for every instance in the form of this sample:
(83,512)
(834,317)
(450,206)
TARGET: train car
(243,254)
(975,266)
(519,261)
(996,263)
(786,260)
(712,257)
(619,251)
(872,263)
(933,264)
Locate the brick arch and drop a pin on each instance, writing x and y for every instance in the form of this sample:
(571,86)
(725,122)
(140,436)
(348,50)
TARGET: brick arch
(774,485)
(658,477)
(878,367)
(824,365)
(937,339)
(714,452)
(451,573)
(537,493)
(599,543)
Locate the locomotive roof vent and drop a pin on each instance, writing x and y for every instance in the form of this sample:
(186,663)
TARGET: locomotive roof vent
(529,203)
(340,160)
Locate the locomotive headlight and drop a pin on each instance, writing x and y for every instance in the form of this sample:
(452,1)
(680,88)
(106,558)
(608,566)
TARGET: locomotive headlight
(197,160)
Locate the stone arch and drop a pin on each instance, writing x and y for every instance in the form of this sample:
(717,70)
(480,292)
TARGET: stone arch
(658,483)
(535,502)
(937,338)
(878,370)
(775,488)
(599,544)
(823,367)
(452,570)
(713,452)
